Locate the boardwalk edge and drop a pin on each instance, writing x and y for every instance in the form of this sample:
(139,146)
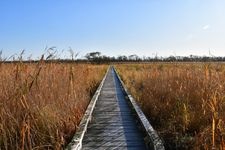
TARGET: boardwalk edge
(152,139)
(76,142)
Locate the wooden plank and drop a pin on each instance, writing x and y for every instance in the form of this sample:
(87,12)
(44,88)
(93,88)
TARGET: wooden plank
(115,134)
(114,148)
(113,138)
(113,129)
(115,143)
(113,114)
(115,119)
(112,121)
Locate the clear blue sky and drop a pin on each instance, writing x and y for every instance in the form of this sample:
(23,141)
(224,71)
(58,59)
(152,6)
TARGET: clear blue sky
(114,27)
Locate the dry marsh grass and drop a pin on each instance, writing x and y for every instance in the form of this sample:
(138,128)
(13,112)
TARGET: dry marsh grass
(41,104)
(185,103)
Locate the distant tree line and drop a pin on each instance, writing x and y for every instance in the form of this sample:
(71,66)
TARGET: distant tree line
(97,57)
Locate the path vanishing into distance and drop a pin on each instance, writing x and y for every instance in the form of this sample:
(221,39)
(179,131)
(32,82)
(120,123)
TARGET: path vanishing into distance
(113,120)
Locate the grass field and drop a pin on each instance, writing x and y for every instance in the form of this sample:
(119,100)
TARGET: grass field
(185,102)
(41,104)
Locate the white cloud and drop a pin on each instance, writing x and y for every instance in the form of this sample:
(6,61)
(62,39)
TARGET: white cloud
(206,27)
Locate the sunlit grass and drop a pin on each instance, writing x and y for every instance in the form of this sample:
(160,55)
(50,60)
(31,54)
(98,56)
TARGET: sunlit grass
(41,104)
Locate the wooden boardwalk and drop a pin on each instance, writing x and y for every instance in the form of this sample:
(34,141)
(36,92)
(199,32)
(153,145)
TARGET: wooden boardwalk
(113,125)
(113,120)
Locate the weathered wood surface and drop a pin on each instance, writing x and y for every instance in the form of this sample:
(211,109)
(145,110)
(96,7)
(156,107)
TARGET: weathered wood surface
(113,124)
(115,121)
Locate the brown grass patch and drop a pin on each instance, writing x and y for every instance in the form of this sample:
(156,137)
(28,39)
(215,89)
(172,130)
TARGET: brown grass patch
(42,104)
